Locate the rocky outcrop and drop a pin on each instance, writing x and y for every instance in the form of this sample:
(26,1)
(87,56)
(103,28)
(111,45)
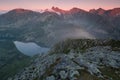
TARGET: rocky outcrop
(80,45)
(72,66)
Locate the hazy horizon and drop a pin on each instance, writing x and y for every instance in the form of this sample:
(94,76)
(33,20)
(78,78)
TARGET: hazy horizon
(63,4)
(4,11)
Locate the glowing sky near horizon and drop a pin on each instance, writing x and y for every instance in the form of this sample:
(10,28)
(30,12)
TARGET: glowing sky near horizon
(64,4)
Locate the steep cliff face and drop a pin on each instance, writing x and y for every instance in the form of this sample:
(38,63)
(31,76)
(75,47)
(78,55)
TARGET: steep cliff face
(98,61)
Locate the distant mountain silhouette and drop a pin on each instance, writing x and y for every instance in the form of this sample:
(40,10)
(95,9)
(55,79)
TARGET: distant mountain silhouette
(49,27)
(112,12)
(73,10)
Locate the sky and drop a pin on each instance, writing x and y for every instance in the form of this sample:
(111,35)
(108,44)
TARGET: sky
(64,4)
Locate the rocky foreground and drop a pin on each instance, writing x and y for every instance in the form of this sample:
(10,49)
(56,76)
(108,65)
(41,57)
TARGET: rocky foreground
(98,62)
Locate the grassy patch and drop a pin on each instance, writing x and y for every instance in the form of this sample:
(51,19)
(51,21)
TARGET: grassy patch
(109,72)
(85,75)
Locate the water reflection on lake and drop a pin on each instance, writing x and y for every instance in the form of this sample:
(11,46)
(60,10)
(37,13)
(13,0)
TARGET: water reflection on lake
(30,48)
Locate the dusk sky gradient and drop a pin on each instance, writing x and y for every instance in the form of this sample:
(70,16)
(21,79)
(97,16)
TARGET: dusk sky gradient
(64,4)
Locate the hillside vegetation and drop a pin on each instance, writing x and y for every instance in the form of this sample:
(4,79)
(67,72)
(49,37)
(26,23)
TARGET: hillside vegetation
(11,60)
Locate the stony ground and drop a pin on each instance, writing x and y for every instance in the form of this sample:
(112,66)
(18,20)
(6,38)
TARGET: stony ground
(96,63)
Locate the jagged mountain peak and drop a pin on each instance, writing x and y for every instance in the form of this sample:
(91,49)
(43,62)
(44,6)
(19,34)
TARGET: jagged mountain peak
(110,12)
(113,12)
(73,10)
(58,10)
(99,11)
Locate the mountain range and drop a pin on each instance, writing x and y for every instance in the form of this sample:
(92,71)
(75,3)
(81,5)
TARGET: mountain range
(49,27)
